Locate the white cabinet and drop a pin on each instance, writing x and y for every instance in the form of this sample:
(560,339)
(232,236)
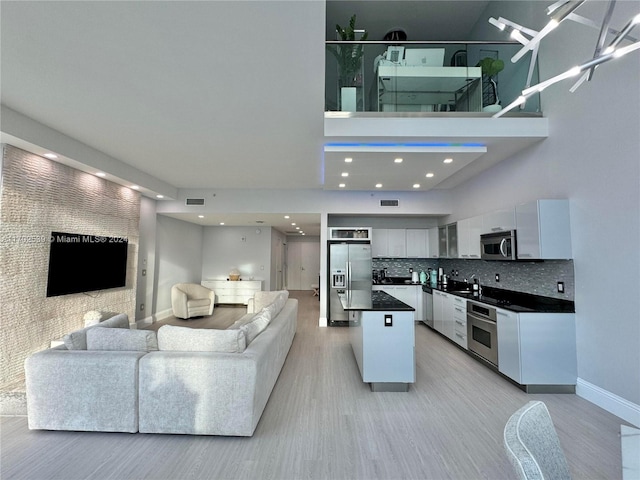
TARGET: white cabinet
(499,221)
(397,243)
(447,314)
(417,242)
(233,292)
(469,231)
(379,242)
(508,344)
(460,321)
(389,242)
(543,230)
(438,310)
(537,348)
(434,250)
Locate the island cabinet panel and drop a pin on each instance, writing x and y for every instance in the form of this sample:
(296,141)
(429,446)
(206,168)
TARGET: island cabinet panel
(384,353)
(537,348)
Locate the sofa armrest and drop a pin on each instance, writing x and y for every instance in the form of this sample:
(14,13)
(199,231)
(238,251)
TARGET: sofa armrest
(84,390)
(179,302)
(250,306)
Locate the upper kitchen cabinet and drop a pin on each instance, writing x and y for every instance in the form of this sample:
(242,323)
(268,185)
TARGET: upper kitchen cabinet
(417,242)
(434,247)
(499,221)
(389,242)
(469,231)
(543,230)
(448,241)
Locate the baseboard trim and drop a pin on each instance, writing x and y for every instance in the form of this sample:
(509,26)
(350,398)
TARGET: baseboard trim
(628,411)
(145,322)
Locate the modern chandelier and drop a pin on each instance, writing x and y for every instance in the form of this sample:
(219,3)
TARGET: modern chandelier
(560,11)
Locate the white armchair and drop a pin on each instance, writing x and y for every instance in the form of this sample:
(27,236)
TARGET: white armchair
(190,300)
(532,444)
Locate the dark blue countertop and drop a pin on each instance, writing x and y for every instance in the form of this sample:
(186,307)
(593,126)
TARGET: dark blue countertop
(375,300)
(508,299)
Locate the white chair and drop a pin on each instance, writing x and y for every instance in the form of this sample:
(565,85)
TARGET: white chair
(190,300)
(532,444)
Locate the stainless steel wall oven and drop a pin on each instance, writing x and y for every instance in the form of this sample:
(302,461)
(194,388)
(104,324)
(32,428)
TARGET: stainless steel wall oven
(482,331)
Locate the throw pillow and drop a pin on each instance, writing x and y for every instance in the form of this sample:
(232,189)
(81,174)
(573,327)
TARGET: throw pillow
(92,317)
(77,340)
(257,325)
(185,339)
(119,339)
(262,299)
(242,321)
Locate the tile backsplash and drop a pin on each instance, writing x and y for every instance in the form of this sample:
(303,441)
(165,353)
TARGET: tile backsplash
(539,278)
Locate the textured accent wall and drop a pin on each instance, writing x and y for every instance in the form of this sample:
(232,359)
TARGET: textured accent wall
(40,196)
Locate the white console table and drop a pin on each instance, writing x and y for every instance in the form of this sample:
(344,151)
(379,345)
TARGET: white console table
(233,292)
(418,86)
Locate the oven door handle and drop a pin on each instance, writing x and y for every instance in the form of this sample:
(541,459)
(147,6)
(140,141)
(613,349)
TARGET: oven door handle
(480,319)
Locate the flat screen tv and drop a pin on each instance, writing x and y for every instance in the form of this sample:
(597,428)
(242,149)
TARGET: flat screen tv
(85,263)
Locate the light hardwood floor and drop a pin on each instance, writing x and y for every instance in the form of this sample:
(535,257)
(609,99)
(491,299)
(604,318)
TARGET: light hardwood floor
(322,422)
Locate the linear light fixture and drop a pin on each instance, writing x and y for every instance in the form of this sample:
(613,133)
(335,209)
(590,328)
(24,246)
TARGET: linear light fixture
(561,10)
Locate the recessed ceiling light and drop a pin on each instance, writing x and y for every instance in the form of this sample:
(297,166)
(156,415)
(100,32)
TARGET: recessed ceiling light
(297,228)
(345,174)
(416,185)
(286,216)
(448,160)
(293,224)
(378,185)
(101,174)
(135,187)
(348,160)
(221,223)
(429,175)
(342,185)
(159,196)
(51,155)
(200,216)
(398,160)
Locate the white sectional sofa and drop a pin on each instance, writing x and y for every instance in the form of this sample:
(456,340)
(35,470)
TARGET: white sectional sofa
(192,381)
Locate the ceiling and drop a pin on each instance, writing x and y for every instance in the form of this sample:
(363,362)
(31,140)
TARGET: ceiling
(207,94)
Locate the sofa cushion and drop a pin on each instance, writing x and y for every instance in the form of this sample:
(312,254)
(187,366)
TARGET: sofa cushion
(119,339)
(77,340)
(257,325)
(262,299)
(185,339)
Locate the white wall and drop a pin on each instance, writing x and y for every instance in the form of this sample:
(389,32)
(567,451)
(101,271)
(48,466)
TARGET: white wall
(145,293)
(243,248)
(591,157)
(178,257)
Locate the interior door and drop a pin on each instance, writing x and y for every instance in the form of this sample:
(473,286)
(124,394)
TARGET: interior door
(303,265)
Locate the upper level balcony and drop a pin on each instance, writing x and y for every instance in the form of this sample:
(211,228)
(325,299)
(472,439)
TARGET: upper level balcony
(427,78)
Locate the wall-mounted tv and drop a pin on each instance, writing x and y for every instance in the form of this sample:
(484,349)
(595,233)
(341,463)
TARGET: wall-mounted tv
(85,263)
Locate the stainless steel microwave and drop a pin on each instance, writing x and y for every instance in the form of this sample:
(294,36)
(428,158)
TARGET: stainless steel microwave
(498,245)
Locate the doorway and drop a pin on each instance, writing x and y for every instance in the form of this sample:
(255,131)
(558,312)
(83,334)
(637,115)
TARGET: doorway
(303,264)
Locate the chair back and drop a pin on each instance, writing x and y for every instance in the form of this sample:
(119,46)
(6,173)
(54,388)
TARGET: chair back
(532,444)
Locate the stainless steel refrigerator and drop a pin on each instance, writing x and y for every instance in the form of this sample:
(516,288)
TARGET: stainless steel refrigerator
(349,272)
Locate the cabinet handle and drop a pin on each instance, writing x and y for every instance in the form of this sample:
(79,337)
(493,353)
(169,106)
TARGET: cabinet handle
(459,309)
(460,323)
(525,255)
(458,335)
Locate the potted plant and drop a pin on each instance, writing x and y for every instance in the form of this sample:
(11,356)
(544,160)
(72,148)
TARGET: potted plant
(490,68)
(349,58)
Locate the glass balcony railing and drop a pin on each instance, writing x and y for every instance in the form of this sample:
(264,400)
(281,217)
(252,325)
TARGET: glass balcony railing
(424,77)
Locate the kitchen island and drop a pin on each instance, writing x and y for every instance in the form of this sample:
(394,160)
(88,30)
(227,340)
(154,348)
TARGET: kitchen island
(382,335)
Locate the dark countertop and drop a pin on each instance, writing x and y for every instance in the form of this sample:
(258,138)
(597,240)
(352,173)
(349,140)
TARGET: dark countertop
(508,299)
(374,300)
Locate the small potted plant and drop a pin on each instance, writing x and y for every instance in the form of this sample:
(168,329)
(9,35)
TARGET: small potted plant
(349,57)
(490,68)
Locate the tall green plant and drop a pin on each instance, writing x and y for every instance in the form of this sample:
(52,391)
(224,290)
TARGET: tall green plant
(490,68)
(349,57)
